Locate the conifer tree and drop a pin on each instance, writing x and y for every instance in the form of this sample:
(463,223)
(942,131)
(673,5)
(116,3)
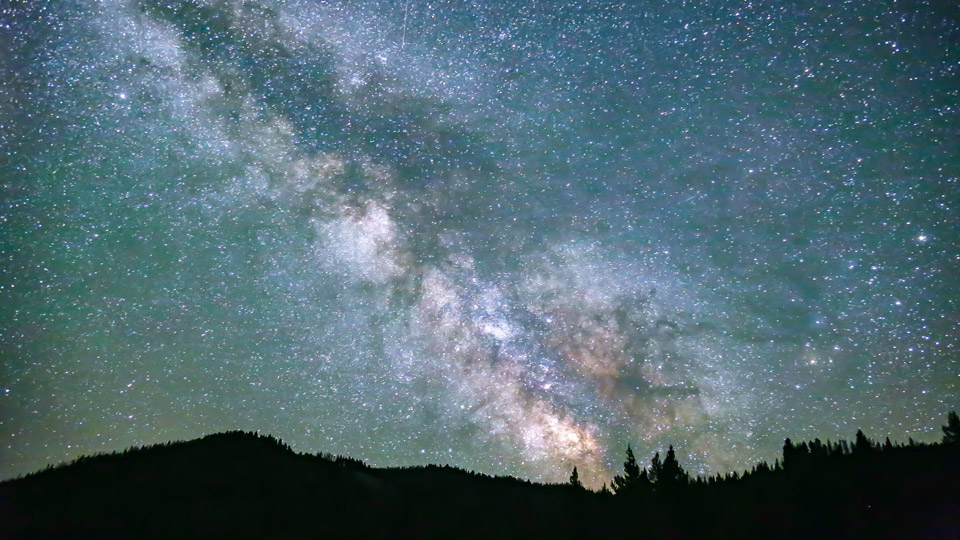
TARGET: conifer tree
(575,479)
(631,473)
(789,454)
(671,473)
(951,431)
(656,469)
(862,444)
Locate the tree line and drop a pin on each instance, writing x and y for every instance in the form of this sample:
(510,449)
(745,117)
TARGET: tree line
(667,475)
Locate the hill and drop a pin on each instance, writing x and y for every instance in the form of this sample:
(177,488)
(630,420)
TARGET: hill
(243,485)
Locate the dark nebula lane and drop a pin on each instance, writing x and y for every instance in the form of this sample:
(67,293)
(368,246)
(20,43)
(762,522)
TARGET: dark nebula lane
(509,236)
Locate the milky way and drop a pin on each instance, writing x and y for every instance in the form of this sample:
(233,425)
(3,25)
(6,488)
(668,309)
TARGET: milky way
(508,236)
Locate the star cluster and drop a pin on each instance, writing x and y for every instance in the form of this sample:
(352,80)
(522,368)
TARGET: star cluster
(509,236)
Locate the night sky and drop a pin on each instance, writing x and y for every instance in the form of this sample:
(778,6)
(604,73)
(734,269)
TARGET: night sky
(510,236)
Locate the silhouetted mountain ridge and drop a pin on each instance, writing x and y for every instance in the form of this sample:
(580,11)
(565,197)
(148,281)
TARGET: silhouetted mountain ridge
(245,485)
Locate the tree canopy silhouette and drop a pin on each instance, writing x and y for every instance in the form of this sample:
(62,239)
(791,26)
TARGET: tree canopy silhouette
(656,469)
(861,444)
(575,479)
(671,473)
(951,431)
(632,477)
(245,485)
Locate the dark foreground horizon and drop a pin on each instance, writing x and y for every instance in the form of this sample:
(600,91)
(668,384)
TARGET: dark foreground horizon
(245,485)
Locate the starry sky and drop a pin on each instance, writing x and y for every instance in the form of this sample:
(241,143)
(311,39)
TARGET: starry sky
(510,236)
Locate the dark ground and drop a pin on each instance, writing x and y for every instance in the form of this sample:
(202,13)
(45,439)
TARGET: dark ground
(238,485)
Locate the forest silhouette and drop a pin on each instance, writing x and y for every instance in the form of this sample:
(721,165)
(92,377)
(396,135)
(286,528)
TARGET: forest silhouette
(246,485)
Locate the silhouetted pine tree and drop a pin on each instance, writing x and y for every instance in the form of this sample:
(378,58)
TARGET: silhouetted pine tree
(951,431)
(862,444)
(656,469)
(631,474)
(789,454)
(575,479)
(671,473)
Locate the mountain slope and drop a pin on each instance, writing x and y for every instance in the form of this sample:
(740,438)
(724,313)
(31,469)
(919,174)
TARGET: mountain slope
(242,485)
